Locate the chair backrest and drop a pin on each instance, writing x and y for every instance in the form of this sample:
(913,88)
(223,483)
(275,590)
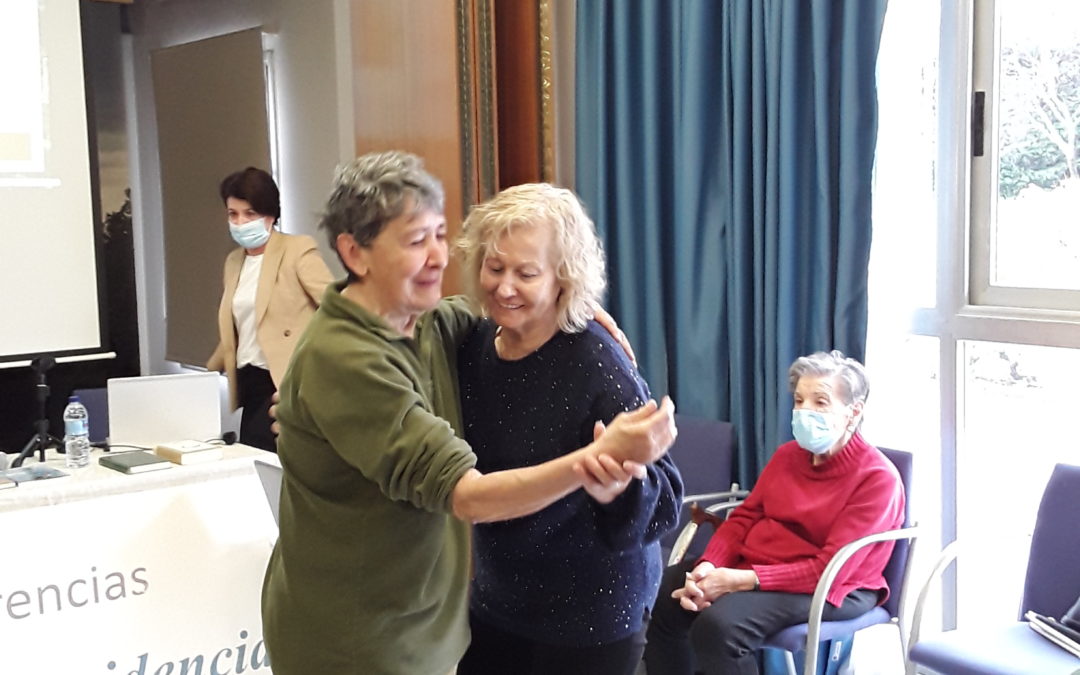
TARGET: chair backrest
(896,568)
(96,402)
(270,476)
(1053,572)
(703,452)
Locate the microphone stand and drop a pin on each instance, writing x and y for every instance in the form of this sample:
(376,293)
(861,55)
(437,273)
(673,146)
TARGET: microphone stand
(42,439)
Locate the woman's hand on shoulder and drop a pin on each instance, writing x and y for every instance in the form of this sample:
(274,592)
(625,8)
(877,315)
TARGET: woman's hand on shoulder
(607,322)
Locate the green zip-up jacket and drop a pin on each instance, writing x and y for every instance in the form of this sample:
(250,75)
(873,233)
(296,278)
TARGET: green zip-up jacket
(370,571)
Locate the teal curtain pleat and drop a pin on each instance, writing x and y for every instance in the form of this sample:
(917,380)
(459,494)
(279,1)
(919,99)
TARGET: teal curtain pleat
(725,149)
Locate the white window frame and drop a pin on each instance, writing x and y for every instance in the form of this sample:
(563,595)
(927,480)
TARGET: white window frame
(965,310)
(1031,304)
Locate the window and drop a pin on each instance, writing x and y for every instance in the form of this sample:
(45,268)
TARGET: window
(974,332)
(1026,176)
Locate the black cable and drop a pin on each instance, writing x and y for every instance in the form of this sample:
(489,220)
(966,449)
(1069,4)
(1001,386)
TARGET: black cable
(227,438)
(108,447)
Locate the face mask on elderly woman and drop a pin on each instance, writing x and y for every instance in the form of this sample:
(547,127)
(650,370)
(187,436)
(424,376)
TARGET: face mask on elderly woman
(815,431)
(251,234)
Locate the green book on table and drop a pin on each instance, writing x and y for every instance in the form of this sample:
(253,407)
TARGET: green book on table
(134,462)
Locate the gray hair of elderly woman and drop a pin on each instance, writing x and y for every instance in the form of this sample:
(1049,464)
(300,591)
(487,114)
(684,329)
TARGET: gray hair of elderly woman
(374,189)
(577,255)
(851,374)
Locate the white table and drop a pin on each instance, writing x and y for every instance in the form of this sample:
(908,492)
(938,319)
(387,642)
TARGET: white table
(105,572)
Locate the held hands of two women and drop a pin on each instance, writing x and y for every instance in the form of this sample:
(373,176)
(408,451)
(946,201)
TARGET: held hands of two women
(622,450)
(643,435)
(605,478)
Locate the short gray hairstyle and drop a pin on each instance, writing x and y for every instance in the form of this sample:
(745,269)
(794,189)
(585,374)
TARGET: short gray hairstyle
(855,387)
(578,253)
(374,189)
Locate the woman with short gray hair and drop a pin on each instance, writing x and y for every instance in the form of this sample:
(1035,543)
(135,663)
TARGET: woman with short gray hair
(375,189)
(851,375)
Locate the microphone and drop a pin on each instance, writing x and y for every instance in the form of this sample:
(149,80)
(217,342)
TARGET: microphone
(43,364)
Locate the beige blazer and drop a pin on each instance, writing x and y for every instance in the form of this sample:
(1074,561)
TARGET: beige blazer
(291,283)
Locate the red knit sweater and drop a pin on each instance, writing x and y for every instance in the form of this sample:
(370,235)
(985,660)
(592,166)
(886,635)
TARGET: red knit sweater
(798,515)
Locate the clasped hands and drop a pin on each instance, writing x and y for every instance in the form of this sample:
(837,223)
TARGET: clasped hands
(706,582)
(623,450)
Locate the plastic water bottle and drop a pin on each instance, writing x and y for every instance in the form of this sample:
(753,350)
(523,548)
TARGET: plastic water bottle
(76,434)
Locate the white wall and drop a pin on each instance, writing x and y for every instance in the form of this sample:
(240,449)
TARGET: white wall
(311,61)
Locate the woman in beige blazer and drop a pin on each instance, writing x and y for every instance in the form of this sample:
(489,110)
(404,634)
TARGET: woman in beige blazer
(273,284)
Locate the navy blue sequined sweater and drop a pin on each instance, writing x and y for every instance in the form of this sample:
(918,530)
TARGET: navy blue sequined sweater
(577,573)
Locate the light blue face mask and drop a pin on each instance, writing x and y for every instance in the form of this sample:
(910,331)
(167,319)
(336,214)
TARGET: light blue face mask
(251,234)
(814,430)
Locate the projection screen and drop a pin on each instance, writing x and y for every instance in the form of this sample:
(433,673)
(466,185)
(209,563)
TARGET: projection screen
(49,300)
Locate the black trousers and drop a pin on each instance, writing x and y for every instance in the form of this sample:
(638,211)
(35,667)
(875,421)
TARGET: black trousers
(496,652)
(254,388)
(724,638)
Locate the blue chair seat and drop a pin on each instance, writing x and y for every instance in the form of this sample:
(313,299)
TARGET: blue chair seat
(793,638)
(1011,650)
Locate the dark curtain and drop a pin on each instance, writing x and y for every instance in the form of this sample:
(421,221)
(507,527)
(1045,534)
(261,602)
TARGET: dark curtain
(725,150)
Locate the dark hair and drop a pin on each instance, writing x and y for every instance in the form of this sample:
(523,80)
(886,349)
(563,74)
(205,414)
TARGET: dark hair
(374,189)
(256,187)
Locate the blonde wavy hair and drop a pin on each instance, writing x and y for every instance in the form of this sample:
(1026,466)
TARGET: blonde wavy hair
(578,256)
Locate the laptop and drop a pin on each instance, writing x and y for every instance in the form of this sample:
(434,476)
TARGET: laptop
(270,476)
(147,411)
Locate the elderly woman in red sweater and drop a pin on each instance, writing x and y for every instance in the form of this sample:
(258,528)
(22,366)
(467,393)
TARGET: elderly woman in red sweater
(818,493)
